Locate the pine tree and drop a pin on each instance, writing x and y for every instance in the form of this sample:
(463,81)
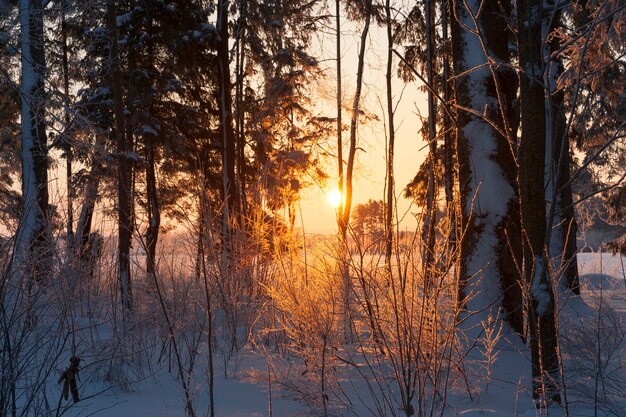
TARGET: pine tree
(485,87)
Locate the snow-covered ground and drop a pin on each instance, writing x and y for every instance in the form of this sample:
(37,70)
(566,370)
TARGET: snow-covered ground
(256,387)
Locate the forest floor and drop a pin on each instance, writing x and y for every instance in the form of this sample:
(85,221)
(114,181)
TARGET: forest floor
(254,386)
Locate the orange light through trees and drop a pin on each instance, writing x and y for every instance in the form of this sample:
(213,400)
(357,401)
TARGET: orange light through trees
(334,198)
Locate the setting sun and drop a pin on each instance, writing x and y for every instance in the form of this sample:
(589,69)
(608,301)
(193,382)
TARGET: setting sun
(334,198)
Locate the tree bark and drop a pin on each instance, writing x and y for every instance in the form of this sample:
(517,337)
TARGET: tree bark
(230,194)
(485,88)
(67,140)
(84,223)
(447,129)
(154,214)
(124,201)
(430,217)
(32,235)
(392,134)
(532,150)
(563,222)
(354,118)
(342,228)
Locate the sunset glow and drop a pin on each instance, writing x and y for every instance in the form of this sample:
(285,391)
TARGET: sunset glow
(334,198)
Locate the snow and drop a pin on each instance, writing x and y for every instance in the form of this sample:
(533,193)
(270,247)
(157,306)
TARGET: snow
(489,193)
(148,130)
(147,387)
(121,20)
(161,395)
(539,288)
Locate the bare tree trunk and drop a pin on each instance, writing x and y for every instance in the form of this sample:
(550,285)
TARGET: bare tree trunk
(345,185)
(85,218)
(240,60)
(230,195)
(448,140)
(154,215)
(562,225)
(32,235)
(354,119)
(67,140)
(124,172)
(392,135)
(342,228)
(429,220)
(532,151)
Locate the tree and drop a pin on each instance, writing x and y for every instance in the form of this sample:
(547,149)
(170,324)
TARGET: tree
(32,236)
(124,196)
(10,135)
(391,140)
(345,188)
(532,150)
(485,87)
(369,224)
(592,85)
(562,226)
(230,194)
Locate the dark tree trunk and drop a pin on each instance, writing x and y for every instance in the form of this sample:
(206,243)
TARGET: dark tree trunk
(240,133)
(564,220)
(124,200)
(430,217)
(342,228)
(532,150)
(356,108)
(154,214)
(67,140)
(230,194)
(392,134)
(448,140)
(84,224)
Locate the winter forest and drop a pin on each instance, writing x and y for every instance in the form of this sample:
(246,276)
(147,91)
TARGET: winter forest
(157,162)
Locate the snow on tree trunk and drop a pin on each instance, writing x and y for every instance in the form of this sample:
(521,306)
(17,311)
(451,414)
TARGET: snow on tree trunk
(532,153)
(489,223)
(33,230)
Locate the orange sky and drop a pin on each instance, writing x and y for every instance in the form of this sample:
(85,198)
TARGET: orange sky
(369,181)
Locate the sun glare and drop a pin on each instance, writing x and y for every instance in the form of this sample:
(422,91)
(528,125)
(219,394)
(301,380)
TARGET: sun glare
(334,198)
